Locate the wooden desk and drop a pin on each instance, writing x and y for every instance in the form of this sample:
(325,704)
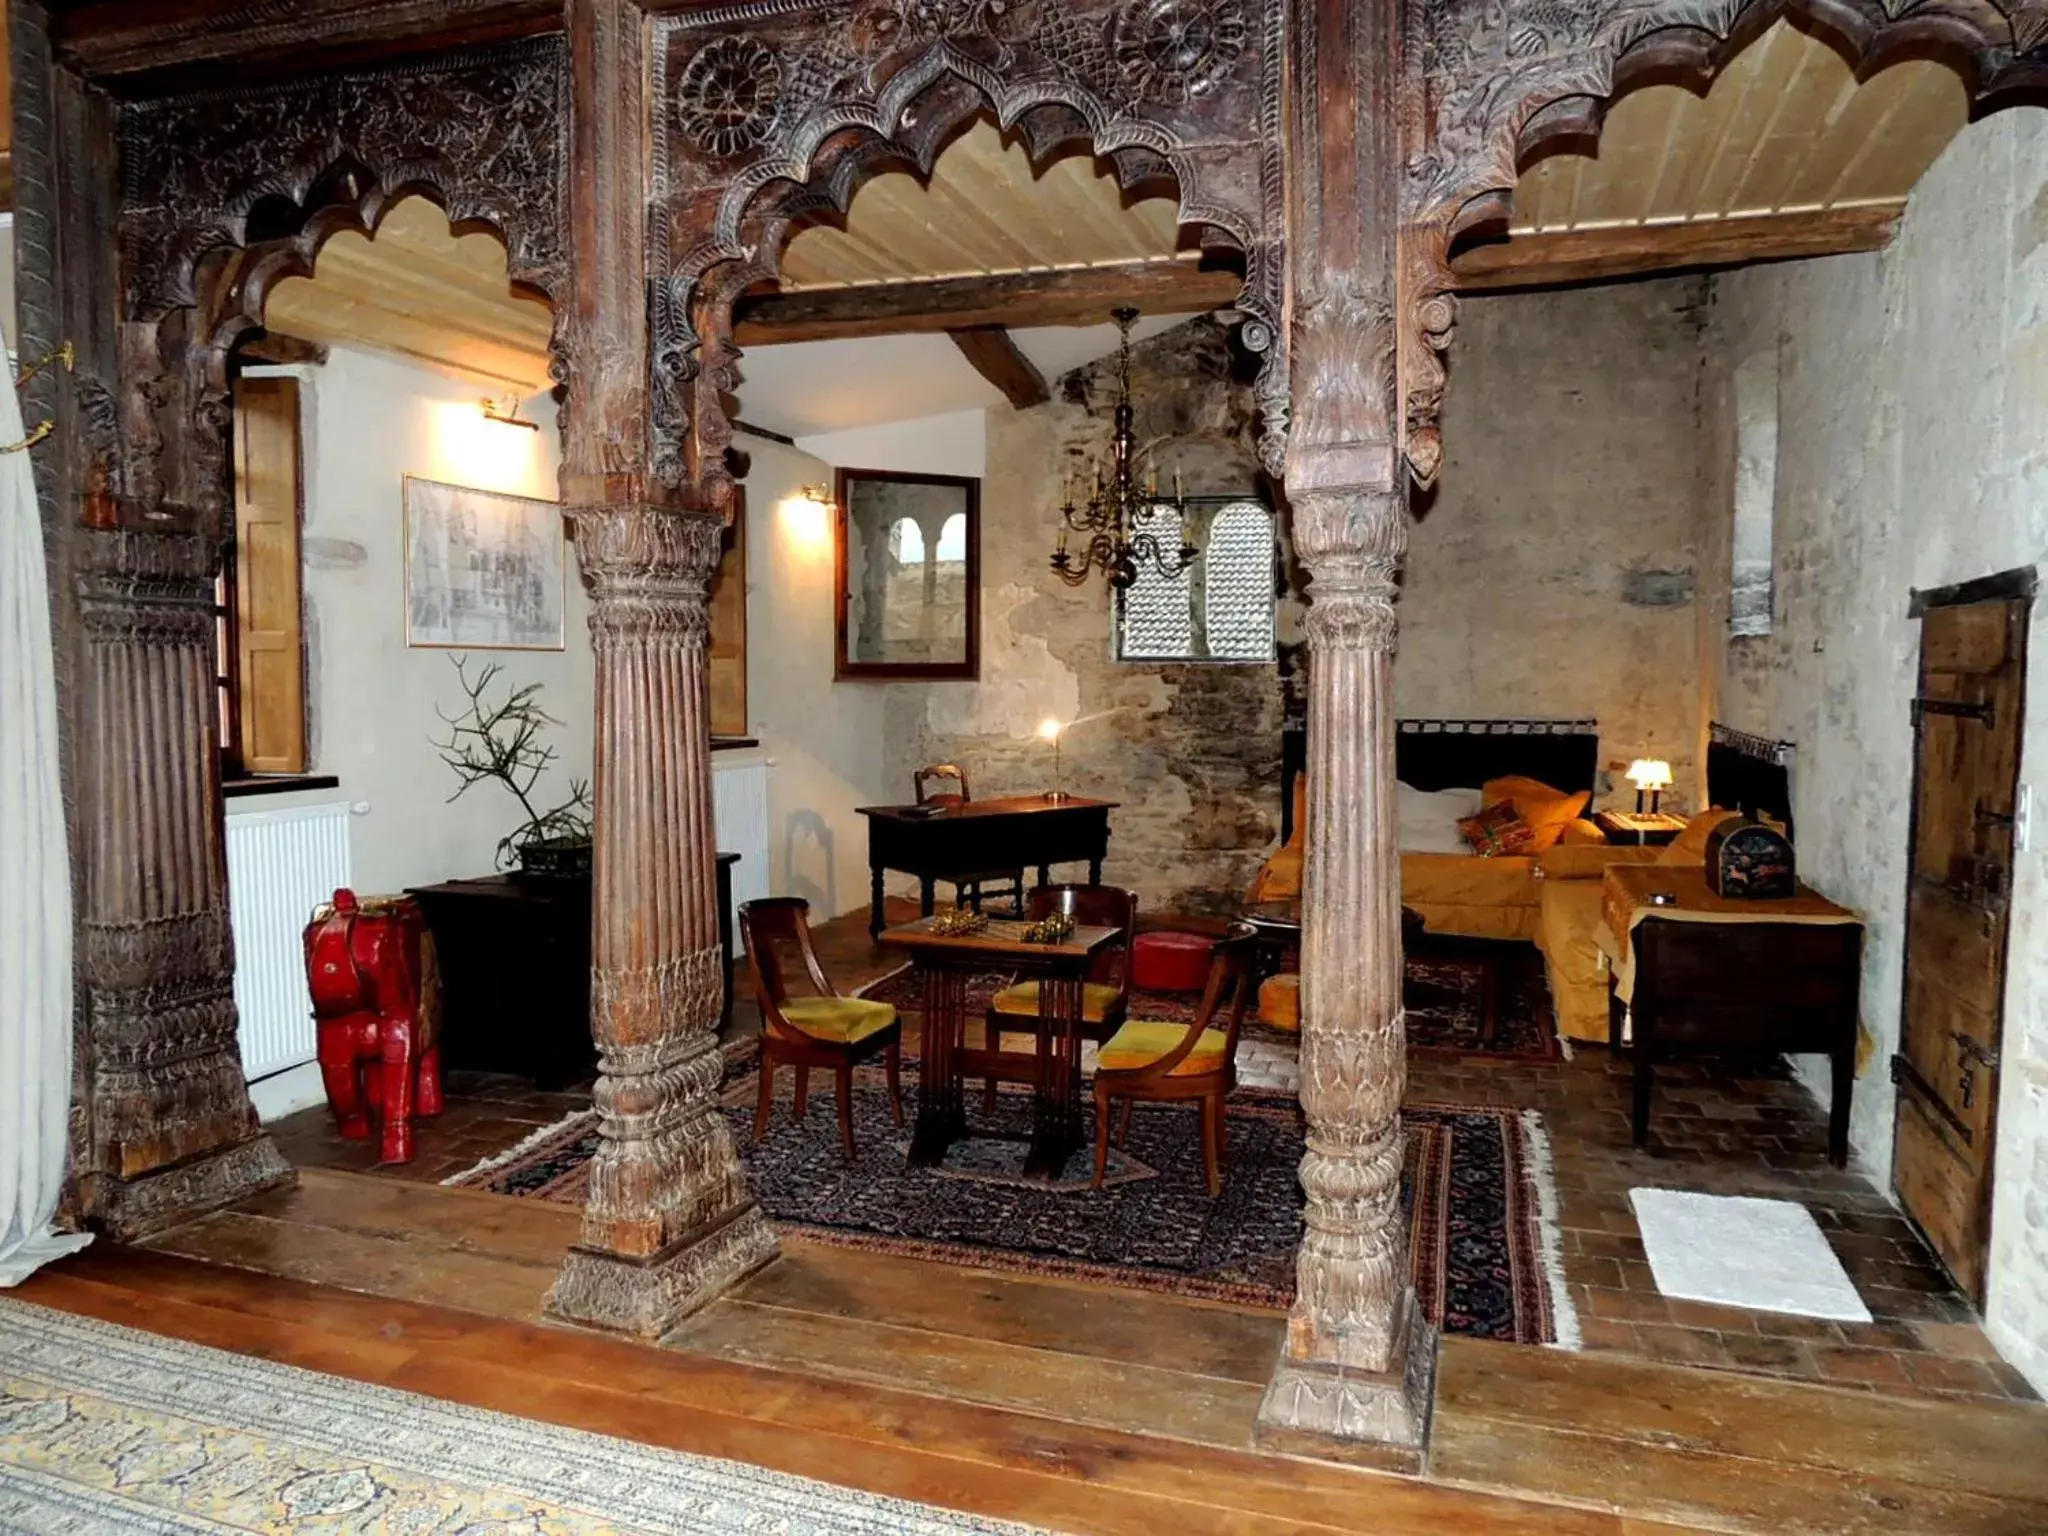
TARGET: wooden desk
(514,953)
(1706,975)
(945,962)
(1015,833)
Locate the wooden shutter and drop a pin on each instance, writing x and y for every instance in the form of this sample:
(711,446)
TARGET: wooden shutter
(271,649)
(729,628)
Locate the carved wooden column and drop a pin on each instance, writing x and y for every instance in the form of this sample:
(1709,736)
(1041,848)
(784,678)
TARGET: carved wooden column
(1359,1362)
(162,1127)
(670,1222)
(172,1125)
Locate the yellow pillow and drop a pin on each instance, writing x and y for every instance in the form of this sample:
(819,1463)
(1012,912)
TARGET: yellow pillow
(1690,846)
(1547,811)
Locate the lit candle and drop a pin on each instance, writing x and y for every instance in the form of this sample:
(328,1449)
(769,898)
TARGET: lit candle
(1063,541)
(1176,483)
(1152,482)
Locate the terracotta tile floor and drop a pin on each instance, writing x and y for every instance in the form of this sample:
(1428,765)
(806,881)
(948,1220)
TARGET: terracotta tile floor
(1721,1128)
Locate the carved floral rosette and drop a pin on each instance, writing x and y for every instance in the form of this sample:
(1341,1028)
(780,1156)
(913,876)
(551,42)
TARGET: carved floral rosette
(774,109)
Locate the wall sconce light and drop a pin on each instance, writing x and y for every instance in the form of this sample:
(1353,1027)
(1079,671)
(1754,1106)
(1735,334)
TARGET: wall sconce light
(1650,775)
(507,414)
(818,494)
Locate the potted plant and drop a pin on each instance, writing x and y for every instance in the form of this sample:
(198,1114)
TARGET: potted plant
(502,743)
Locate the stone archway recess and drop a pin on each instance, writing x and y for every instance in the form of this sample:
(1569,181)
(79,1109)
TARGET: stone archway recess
(208,198)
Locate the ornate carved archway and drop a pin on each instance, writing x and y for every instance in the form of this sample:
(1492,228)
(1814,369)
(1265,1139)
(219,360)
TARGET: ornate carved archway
(770,111)
(1503,80)
(217,196)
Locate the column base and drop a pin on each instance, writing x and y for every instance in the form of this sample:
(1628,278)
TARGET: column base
(648,1297)
(1367,1418)
(130,1209)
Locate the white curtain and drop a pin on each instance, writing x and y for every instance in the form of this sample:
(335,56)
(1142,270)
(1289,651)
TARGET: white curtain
(35,886)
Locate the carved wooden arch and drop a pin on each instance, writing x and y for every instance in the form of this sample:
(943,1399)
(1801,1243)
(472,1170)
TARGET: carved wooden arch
(223,193)
(775,109)
(1507,78)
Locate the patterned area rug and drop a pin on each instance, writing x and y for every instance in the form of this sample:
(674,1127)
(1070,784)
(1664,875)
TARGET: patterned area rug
(1477,1188)
(1443,996)
(108,1429)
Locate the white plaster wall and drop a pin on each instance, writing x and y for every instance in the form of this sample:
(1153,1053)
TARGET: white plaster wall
(823,740)
(952,444)
(1912,453)
(369,419)
(1553,572)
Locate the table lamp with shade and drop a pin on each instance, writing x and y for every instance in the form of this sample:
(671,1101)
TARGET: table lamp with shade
(1650,775)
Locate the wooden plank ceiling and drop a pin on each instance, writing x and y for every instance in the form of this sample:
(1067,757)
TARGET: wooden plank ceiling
(1787,155)
(423,292)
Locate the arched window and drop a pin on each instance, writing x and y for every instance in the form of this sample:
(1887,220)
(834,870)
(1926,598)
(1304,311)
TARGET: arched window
(1157,616)
(953,539)
(906,542)
(1237,595)
(1221,607)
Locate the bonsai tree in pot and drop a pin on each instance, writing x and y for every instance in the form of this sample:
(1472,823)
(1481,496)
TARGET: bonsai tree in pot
(502,743)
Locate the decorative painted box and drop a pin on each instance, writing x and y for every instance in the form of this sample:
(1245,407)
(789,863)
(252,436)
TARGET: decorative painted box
(1747,860)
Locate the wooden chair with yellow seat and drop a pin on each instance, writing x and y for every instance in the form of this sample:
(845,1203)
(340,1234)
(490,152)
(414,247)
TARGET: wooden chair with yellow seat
(1169,1062)
(1105,992)
(818,1029)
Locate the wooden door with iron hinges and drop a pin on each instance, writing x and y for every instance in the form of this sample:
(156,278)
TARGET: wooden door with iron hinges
(1967,720)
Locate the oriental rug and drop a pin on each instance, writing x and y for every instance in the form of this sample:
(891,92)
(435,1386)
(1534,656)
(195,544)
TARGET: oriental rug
(1442,996)
(107,1429)
(1477,1189)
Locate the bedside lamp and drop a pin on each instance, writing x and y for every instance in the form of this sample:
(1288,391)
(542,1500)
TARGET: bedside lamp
(1049,730)
(1651,774)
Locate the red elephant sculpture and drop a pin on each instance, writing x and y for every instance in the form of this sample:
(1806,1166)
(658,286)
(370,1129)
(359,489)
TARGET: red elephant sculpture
(376,1000)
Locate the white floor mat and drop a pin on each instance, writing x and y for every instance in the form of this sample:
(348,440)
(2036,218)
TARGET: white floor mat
(1767,1255)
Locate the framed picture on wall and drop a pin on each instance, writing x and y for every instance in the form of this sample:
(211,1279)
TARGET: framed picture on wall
(483,570)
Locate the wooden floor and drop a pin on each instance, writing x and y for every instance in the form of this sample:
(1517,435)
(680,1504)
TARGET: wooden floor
(1079,1409)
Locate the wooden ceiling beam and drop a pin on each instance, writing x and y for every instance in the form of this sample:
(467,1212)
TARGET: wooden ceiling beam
(1600,255)
(1071,296)
(185,44)
(996,358)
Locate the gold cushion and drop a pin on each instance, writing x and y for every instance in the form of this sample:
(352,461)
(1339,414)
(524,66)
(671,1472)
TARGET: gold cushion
(1280,1001)
(1096,998)
(1144,1041)
(1547,811)
(847,1020)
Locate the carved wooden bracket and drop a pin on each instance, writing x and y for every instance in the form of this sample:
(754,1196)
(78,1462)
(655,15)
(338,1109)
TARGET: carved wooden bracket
(772,109)
(224,192)
(1503,79)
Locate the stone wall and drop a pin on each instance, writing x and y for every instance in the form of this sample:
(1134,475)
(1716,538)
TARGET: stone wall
(1553,573)
(1191,752)
(1913,385)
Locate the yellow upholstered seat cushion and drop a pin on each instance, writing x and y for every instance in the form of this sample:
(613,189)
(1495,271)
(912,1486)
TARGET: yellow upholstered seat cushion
(1144,1041)
(1023,998)
(1280,1001)
(847,1020)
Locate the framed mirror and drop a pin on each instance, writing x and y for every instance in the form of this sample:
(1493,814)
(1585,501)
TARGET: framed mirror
(909,555)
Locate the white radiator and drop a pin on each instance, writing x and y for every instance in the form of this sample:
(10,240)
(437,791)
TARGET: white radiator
(281,865)
(739,813)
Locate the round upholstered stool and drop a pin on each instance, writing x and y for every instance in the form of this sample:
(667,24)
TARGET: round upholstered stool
(1170,961)
(1280,1001)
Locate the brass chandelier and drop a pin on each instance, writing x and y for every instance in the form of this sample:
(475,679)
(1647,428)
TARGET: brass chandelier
(1115,521)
